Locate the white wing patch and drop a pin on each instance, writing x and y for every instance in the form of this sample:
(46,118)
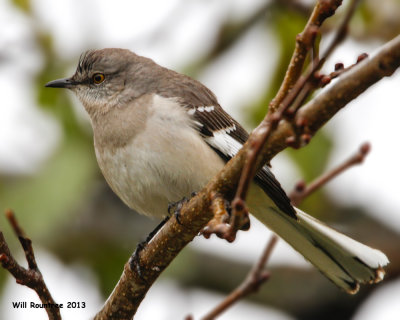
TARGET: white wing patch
(192,111)
(222,141)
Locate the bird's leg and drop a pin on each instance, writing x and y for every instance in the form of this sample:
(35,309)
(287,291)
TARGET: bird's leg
(135,260)
(156,229)
(176,207)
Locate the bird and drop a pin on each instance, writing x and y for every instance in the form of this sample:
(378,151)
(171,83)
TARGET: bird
(160,135)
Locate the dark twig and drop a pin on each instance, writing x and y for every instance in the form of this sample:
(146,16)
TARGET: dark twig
(339,70)
(302,191)
(32,276)
(304,42)
(304,86)
(257,275)
(341,32)
(292,95)
(264,130)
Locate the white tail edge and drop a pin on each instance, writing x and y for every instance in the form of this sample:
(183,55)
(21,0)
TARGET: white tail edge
(346,262)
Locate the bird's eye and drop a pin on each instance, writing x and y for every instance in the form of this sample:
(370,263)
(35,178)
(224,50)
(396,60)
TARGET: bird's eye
(98,78)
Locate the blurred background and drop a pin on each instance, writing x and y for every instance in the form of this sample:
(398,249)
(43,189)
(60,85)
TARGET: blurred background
(83,234)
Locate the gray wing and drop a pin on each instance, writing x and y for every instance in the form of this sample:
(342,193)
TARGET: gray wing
(223,133)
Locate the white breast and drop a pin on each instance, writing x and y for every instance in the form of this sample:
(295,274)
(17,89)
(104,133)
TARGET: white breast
(164,162)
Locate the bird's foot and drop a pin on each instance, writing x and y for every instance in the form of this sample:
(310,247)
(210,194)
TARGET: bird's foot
(176,207)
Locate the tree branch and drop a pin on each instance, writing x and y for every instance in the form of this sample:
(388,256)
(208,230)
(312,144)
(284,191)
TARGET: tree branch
(31,277)
(302,191)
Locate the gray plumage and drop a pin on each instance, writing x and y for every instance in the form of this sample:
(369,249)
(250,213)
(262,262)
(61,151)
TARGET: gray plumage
(160,135)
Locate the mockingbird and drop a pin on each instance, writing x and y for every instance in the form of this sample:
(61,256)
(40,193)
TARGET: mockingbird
(160,135)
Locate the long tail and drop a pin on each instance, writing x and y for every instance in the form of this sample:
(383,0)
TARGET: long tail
(344,261)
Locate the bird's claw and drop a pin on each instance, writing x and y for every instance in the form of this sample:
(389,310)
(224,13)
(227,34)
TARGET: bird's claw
(177,207)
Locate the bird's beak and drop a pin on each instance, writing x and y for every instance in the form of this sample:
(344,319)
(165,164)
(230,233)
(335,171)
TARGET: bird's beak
(67,83)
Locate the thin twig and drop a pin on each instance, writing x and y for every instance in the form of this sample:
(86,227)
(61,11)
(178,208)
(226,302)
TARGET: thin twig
(304,42)
(302,191)
(339,70)
(256,277)
(239,208)
(31,277)
(312,80)
(341,32)
(304,85)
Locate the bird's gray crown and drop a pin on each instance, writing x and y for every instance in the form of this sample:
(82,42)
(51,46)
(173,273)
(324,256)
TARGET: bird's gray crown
(109,61)
(86,61)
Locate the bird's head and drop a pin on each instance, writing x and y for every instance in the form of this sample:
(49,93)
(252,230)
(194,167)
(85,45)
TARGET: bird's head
(102,78)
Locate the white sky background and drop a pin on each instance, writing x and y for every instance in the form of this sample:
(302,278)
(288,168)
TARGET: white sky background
(77,25)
